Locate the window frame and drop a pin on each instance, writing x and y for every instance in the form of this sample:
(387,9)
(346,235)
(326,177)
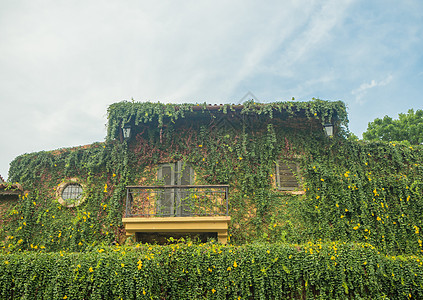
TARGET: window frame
(176,209)
(295,174)
(66,202)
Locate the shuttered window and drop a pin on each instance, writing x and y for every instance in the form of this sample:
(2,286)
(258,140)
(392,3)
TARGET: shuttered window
(287,175)
(172,202)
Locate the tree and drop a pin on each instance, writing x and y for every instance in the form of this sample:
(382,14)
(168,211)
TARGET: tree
(409,127)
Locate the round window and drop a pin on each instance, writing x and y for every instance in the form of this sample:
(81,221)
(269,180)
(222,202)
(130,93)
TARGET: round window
(70,194)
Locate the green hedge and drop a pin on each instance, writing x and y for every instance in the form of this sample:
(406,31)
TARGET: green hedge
(211,271)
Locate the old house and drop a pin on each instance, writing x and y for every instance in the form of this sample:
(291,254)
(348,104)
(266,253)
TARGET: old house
(282,171)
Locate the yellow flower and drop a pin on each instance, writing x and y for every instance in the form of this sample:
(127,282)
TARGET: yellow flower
(204,159)
(235,264)
(65,297)
(210,270)
(143,291)
(346,174)
(317,197)
(346,209)
(90,270)
(337,205)
(228,269)
(100,250)
(213,291)
(123,265)
(321,179)
(6,262)
(342,216)
(200,146)
(114,175)
(240,158)
(105,188)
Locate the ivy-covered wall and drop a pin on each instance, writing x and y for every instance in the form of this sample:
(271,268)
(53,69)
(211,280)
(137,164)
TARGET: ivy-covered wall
(354,191)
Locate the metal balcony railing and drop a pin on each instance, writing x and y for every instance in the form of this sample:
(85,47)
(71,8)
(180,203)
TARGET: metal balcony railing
(177,200)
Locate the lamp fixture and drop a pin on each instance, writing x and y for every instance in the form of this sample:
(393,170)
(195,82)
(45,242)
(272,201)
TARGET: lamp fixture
(126,132)
(328,129)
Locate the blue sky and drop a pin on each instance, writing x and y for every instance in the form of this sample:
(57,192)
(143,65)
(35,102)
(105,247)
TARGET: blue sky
(63,62)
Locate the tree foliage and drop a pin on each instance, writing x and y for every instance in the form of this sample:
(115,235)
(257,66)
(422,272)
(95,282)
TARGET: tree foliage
(408,127)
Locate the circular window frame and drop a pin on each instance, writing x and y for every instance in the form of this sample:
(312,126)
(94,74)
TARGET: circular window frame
(62,187)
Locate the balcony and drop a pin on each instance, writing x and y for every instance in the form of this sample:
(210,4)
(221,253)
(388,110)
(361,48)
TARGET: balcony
(177,209)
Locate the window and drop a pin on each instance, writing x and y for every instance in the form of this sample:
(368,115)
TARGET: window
(70,193)
(173,201)
(287,175)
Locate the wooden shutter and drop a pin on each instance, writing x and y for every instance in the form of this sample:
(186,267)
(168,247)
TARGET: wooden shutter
(175,202)
(286,175)
(166,200)
(185,175)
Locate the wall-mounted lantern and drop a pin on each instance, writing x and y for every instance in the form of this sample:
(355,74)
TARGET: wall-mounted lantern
(328,129)
(126,132)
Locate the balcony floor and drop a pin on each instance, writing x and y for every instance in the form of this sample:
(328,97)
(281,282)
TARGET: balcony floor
(218,224)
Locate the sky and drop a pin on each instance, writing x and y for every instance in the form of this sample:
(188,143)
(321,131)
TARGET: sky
(62,63)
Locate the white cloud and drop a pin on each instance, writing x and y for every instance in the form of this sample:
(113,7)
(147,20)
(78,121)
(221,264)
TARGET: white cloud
(361,91)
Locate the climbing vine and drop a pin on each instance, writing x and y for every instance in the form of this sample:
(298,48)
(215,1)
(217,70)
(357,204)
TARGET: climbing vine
(350,190)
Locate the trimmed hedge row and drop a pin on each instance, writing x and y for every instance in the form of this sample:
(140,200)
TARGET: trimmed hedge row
(212,271)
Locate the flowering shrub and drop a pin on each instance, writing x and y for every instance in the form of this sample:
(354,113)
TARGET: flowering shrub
(334,270)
